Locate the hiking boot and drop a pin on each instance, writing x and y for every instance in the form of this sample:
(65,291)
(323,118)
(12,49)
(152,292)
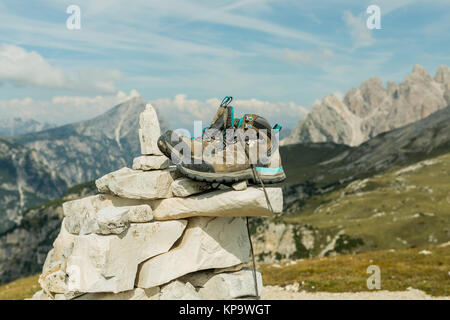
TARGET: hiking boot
(176,146)
(252,154)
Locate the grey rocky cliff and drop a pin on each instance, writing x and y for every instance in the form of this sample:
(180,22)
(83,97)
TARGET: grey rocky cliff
(372,109)
(25,182)
(86,150)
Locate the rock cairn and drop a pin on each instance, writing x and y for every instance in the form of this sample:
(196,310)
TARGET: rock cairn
(152,234)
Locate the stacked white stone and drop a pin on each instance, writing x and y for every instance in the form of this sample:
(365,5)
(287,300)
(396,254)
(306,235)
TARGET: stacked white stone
(151,234)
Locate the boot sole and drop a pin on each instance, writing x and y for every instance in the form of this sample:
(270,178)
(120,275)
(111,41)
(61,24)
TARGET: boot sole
(231,177)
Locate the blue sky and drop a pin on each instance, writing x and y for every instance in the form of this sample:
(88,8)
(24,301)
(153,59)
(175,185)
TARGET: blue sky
(274,57)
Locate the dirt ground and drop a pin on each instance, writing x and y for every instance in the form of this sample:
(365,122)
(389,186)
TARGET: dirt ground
(278,293)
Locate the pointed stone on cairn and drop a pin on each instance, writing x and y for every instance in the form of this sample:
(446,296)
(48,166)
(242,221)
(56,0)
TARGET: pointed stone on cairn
(149,131)
(152,234)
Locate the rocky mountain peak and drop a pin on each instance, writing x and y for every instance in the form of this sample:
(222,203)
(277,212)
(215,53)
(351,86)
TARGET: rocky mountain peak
(372,109)
(443,75)
(369,96)
(419,72)
(85,150)
(418,69)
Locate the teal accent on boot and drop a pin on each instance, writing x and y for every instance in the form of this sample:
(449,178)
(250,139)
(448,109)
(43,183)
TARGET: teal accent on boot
(269,170)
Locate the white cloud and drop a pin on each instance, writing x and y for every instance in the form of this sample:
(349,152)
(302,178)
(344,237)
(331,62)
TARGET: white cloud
(179,111)
(182,112)
(307,57)
(20,67)
(361,35)
(62,109)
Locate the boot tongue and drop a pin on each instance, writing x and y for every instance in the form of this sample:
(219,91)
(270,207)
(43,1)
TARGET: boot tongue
(223,119)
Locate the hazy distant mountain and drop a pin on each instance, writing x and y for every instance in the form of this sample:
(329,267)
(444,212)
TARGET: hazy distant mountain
(40,166)
(24,182)
(284,133)
(371,109)
(19,126)
(86,150)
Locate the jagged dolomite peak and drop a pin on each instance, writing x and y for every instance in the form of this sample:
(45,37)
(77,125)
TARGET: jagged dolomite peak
(372,109)
(149,131)
(220,203)
(147,163)
(137,184)
(206,243)
(109,263)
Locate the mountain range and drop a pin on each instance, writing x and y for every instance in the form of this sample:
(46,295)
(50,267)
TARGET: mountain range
(24,182)
(19,126)
(323,180)
(371,109)
(85,150)
(40,166)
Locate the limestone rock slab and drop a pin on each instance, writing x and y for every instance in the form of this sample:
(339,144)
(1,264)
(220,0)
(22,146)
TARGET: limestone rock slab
(53,282)
(146,163)
(62,248)
(207,243)
(149,131)
(109,263)
(220,203)
(134,294)
(239,186)
(177,290)
(184,187)
(226,286)
(103,214)
(136,184)
(140,213)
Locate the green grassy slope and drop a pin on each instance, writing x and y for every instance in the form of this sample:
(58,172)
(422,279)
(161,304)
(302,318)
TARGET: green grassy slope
(401,208)
(400,269)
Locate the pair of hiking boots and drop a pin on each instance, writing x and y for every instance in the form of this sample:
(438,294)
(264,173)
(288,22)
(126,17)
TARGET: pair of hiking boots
(229,150)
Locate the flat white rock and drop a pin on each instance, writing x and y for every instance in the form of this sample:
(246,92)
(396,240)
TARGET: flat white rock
(146,163)
(134,294)
(103,214)
(239,186)
(54,282)
(207,243)
(149,131)
(137,184)
(112,220)
(140,213)
(100,263)
(177,290)
(226,286)
(221,203)
(62,248)
(40,295)
(184,187)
